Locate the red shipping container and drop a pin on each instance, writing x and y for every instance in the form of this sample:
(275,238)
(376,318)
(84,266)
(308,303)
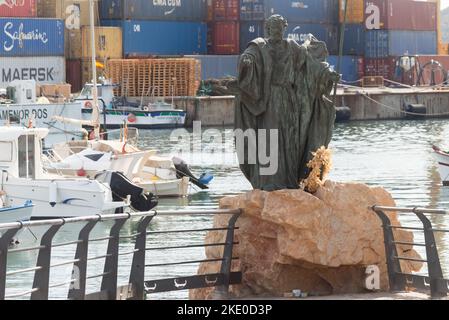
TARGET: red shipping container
(226,37)
(73,74)
(226,10)
(383,67)
(18,8)
(400,15)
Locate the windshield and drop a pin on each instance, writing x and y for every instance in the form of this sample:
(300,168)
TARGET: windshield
(87,92)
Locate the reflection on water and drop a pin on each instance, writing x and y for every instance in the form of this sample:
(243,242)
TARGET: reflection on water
(394,154)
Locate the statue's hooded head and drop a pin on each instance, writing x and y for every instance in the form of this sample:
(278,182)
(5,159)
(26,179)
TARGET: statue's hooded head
(275,27)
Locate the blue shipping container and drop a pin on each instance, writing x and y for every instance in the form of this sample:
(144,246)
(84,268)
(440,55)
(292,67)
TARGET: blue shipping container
(251,10)
(384,43)
(323,32)
(304,11)
(145,38)
(354,42)
(217,66)
(187,10)
(349,66)
(250,30)
(31,37)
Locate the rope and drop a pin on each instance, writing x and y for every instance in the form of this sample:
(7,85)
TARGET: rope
(402,111)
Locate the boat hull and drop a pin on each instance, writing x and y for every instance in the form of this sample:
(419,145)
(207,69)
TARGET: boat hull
(72,198)
(170,188)
(15,214)
(140,119)
(442,159)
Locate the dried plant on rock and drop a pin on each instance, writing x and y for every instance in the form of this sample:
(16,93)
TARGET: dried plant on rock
(319,166)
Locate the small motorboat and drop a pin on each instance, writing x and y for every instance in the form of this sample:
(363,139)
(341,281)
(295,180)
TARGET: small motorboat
(442,158)
(10,214)
(16,213)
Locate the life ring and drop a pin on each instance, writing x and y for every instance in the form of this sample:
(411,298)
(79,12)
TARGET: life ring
(132,118)
(146,108)
(88,104)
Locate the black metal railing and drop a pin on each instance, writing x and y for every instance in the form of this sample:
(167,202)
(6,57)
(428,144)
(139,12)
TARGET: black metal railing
(400,281)
(137,286)
(221,280)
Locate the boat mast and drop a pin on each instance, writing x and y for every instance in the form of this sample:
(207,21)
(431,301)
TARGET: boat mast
(95,107)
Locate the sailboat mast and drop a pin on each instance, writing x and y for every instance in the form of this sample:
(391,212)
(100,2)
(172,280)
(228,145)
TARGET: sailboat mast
(95,107)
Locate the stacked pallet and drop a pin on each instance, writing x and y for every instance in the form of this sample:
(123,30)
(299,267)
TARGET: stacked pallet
(155,77)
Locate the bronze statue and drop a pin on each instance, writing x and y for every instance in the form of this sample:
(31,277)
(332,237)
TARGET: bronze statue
(283,91)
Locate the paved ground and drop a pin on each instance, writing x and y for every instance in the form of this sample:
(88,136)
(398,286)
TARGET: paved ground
(368,296)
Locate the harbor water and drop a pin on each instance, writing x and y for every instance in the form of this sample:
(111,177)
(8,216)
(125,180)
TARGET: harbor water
(396,155)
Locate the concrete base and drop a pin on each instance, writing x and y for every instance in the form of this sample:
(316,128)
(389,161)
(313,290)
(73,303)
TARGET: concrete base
(365,104)
(367,296)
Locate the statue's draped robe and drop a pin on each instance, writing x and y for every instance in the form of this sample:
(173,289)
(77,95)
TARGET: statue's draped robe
(283,89)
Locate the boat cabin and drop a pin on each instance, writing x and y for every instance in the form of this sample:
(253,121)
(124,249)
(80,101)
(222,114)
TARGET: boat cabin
(105,95)
(20,151)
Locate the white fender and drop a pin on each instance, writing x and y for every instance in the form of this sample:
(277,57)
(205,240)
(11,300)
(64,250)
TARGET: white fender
(53,193)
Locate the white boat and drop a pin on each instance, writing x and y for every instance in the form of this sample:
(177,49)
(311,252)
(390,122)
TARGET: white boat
(16,213)
(20,105)
(156,175)
(156,115)
(23,179)
(442,159)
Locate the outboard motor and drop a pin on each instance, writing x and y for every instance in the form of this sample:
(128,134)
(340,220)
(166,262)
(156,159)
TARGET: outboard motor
(121,187)
(182,170)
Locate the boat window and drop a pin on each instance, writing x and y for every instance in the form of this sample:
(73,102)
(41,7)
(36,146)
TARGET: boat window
(5,151)
(86,92)
(26,157)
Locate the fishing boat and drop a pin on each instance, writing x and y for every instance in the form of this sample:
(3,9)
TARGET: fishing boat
(114,111)
(442,158)
(19,105)
(23,178)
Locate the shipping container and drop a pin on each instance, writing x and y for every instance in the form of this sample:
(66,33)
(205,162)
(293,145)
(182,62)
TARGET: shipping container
(401,15)
(355,11)
(305,11)
(75,13)
(354,41)
(384,43)
(147,38)
(173,10)
(252,10)
(31,37)
(250,30)
(351,67)
(383,67)
(225,37)
(73,77)
(225,10)
(108,44)
(14,8)
(323,32)
(45,70)
(217,66)
(73,44)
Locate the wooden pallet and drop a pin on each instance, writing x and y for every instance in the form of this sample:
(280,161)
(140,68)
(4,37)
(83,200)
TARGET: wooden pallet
(158,77)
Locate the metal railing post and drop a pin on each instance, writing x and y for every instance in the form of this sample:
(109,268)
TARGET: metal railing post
(137,274)
(433,260)
(397,283)
(226,265)
(5,241)
(78,286)
(42,276)
(109,281)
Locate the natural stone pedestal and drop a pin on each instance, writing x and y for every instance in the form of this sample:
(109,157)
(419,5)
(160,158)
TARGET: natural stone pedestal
(320,244)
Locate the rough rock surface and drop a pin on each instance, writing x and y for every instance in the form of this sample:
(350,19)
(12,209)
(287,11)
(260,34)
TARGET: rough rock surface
(320,244)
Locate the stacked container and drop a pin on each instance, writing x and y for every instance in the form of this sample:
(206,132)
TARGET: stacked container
(152,28)
(252,21)
(396,28)
(224,29)
(31,48)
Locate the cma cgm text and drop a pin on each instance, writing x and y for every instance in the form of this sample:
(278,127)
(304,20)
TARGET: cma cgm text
(167,3)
